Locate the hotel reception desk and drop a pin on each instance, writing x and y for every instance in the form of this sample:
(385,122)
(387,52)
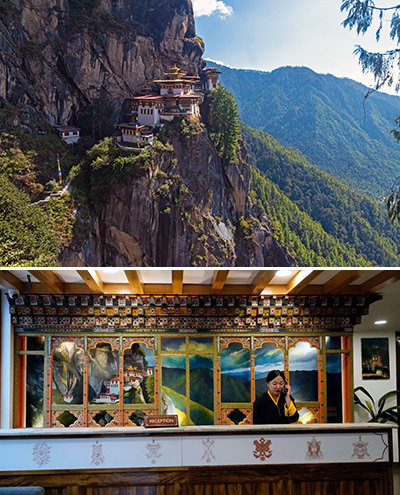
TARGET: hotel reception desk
(201,460)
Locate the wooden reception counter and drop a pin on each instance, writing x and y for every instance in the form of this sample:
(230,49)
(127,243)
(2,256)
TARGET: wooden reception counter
(296,459)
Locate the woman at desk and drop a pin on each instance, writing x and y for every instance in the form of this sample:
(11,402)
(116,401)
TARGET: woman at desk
(276,406)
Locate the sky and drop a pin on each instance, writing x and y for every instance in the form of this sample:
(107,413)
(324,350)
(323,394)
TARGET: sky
(266,34)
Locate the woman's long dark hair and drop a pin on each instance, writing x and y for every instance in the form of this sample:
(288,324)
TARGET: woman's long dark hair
(273,374)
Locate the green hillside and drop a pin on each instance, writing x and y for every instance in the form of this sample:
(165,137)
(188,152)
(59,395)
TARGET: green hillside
(320,219)
(201,387)
(233,390)
(174,378)
(199,414)
(201,384)
(326,118)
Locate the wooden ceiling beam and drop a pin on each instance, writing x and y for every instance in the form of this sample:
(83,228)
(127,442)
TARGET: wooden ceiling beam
(135,285)
(339,284)
(177,281)
(10,281)
(49,281)
(260,282)
(299,282)
(380,281)
(219,280)
(92,280)
(317,290)
(341,281)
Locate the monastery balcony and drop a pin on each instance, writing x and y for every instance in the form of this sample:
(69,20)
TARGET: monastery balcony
(176,112)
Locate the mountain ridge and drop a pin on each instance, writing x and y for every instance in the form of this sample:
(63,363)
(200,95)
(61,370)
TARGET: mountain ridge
(323,117)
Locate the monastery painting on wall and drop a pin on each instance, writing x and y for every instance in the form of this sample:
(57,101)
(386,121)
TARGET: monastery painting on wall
(375,359)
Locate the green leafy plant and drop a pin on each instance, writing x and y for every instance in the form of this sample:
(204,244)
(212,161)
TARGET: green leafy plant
(376,410)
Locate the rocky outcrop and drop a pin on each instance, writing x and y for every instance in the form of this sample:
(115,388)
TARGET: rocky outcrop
(184,207)
(180,206)
(56,55)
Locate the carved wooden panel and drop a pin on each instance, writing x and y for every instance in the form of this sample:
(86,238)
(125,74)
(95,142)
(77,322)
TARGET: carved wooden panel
(323,479)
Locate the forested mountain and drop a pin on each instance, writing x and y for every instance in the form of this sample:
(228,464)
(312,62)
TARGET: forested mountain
(326,118)
(318,218)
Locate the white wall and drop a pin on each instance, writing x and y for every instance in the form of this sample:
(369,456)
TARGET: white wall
(376,388)
(6,365)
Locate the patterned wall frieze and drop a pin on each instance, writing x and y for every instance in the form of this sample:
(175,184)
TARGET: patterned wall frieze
(187,313)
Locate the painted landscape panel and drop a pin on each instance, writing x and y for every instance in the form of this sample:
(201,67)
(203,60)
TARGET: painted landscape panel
(201,390)
(303,374)
(173,344)
(173,375)
(104,374)
(138,374)
(267,358)
(235,374)
(68,365)
(34,391)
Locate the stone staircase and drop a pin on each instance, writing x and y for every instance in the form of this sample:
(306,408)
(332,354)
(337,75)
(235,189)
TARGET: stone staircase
(58,194)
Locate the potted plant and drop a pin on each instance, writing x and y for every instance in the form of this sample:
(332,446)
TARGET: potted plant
(376,410)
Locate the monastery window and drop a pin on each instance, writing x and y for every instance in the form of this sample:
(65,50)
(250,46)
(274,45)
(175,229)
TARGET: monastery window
(151,111)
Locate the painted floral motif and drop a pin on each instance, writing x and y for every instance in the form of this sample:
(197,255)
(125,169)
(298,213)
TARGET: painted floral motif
(153,451)
(314,449)
(41,454)
(97,454)
(360,449)
(208,446)
(262,449)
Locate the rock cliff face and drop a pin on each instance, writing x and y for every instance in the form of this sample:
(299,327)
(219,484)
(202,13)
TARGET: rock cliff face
(184,207)
(57,54)
(181,206)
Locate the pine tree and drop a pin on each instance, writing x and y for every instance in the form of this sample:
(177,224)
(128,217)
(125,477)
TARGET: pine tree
(361,15)
(224,123)
(383,65)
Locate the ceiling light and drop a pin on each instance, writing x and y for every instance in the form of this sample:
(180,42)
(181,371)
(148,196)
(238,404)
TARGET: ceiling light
(266,292)
(380,322)
(283,273)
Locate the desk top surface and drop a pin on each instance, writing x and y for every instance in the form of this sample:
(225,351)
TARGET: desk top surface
(195,430)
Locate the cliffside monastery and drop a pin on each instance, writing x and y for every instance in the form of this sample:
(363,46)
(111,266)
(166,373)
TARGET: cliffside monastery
(179,95)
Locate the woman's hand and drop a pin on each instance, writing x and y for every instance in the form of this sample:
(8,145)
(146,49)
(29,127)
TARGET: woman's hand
(287,396)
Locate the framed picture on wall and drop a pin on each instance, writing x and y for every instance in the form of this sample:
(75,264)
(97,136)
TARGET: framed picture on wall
(375,359)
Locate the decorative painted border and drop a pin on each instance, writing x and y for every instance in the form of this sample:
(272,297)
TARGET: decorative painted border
(166,313)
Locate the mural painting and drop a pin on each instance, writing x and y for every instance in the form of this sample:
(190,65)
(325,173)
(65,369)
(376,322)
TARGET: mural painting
(375,359)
